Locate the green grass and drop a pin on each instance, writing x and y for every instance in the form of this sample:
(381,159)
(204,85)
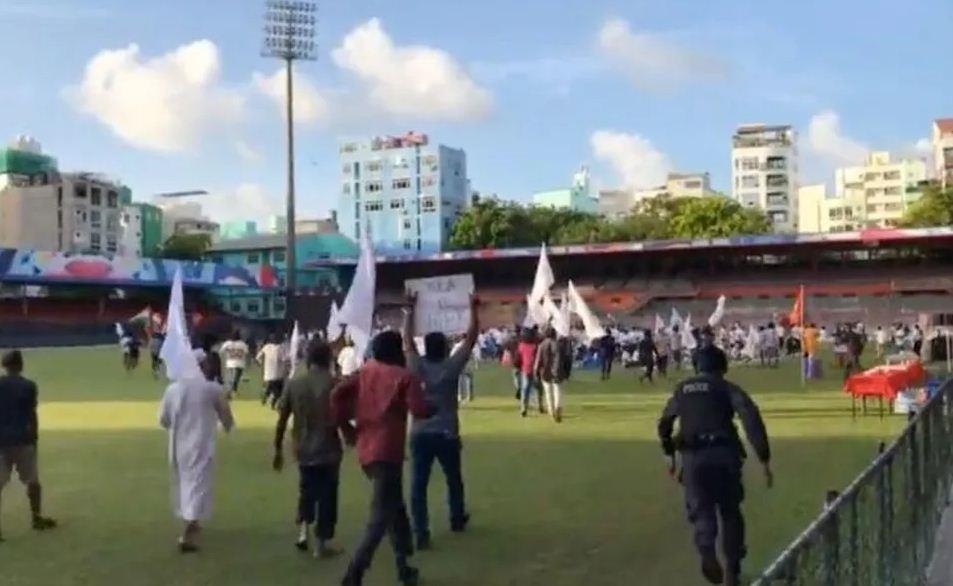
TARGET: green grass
(585,502)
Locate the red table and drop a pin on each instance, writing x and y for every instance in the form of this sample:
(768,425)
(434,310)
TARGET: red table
(884,382)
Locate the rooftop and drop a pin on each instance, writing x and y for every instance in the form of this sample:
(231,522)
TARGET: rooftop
(256,242)
(945,125)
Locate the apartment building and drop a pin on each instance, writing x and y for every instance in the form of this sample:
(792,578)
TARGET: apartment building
(764,171)
(616,203)
(943,151)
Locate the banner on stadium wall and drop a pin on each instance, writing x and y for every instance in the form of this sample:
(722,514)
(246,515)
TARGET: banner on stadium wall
(443,303)
(18,265)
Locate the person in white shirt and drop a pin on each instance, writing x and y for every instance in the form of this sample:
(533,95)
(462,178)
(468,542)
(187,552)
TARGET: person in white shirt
(770,346)
(881,338)
(235,352)
(270,358)
(347,358)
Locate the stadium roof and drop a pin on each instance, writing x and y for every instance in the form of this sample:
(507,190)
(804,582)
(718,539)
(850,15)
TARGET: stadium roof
(865,237)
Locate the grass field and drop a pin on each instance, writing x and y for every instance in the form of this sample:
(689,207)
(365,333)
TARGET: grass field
(585,502)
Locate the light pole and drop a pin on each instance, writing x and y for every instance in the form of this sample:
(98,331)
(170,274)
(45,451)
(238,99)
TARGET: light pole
(289,36)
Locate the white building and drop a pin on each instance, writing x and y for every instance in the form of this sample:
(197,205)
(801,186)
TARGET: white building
(943,151)
(184,217)
(873,195)
(130,236)
(616,203)
(764,172)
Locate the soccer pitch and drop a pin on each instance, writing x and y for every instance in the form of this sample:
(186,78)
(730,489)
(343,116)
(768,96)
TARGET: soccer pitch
(584,502)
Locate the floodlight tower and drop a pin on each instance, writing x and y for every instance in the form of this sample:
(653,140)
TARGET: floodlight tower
(289,35)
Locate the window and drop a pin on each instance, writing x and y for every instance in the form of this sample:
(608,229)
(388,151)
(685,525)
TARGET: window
(872,208)
(406,224)
(278,256)
(372,166)
(278,305)
(429,161)
(236,307)
(396,204)
(110,243)
(346,189)
(692,184)
(374,205)
(112,199)
(96,196)
(349,147)
(95,241)
(357,210)
(346,168)
(427,181)
(892,191)
(873,192)
(357,230)
(428,204)
(779,217)
(80,214)
(95,219)
(872,176)
(79,191)
(400,163)
(835,213)
(777,199)
(59,196)
(373,186)
(776,163)
(252,258)
(401,183)
(777,180)
(112,222)
(750,181)
(749,164)
(892,175)
(253,307)
(407,244)
(892,207)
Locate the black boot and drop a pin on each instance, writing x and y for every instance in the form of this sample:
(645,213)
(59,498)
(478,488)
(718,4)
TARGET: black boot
(711,568)
(353,578)
(408,576)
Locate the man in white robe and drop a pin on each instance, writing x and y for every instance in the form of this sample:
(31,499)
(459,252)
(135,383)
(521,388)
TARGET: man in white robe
(191,408)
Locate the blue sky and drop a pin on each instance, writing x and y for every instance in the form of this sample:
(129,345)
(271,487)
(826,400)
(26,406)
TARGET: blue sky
(173,95)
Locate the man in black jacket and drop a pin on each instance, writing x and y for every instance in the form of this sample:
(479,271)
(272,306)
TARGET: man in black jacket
(712,456)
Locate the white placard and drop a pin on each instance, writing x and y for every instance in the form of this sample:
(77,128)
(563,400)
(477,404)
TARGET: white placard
(443,303)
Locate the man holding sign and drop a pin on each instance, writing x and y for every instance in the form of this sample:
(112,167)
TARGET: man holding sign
(438,437)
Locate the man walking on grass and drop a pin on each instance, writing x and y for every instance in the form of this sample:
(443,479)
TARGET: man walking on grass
(548,370)
(317,447)
(379,398)
(18,435)
(438,437)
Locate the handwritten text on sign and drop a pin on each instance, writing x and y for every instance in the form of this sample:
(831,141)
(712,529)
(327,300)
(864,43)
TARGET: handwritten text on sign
(443,303)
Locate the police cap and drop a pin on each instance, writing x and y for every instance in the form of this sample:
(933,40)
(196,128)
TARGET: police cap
(711,359)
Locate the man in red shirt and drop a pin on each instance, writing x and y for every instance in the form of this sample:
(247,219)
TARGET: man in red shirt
(526,356)
(378,398)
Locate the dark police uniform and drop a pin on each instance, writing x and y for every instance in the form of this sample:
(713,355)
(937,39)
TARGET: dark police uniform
(712,454)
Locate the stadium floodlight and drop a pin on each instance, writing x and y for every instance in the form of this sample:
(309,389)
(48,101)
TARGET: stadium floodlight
(289,31)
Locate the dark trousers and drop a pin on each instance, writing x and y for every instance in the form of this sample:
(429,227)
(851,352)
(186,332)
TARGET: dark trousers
(649,367)
(388,516)
(273,389)
(713,489)
(235,377)
(851,365)
(318,494)
(662,363)
(446,450)
(606,363)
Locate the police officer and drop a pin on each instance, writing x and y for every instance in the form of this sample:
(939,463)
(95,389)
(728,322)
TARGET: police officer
(711,457)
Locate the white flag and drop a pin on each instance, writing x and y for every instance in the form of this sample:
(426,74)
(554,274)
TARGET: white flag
(333,329)
(357,311)
(536,314)
(544,276)
(294,349)
(564,310)
(688,340)
(676,320)
(589,321)
(719,312)
(659,324)
(176,352)
(559,321)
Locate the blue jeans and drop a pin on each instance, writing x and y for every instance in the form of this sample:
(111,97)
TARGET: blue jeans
(527,384)
(424,449)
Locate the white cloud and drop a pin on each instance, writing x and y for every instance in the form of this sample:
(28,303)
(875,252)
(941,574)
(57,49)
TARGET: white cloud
(310,106)
(827,141)
(651,61)
(247,152)
(923,147)
(247,201)
(634,159)
(167,103)
(411,81)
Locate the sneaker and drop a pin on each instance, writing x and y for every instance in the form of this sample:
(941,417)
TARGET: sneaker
(558,416)
(711,569)
(301,545)
(409,576)
(460,525)
(522,412)
(423,543)
(43,523)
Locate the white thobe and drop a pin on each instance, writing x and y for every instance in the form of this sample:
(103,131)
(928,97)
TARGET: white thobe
(190,411)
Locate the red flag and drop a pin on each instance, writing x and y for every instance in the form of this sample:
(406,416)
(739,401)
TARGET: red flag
(796,317)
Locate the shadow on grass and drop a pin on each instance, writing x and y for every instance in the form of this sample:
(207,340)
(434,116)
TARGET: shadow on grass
(547,510)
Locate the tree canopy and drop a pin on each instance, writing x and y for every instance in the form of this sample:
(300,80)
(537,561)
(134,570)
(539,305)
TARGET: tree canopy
(186,246)
(934,208)
(493,223)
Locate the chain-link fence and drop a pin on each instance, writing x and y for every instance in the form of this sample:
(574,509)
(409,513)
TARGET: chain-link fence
(880,531)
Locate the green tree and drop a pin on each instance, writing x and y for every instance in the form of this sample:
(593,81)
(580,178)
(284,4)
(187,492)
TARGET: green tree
(934,208)
(715,217)
(186,246)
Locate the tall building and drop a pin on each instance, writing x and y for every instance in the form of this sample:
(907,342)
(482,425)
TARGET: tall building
(616,203)
(873,195)
(943,151)
(576,198)
(406,190)
(184,217)
(44,209)
(141,230)
(764,172)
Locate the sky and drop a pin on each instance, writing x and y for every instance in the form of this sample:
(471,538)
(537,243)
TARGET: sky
(174,95)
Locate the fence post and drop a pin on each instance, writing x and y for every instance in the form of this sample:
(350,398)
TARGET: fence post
(913,498)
